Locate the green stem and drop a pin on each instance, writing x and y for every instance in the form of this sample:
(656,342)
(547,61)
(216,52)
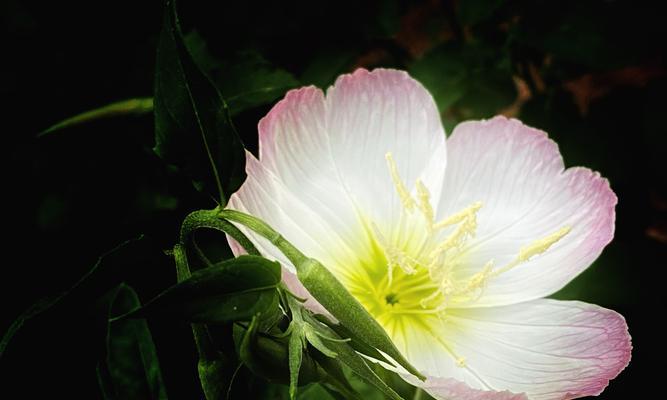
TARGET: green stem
(293,254)
(209,219)
(419,394)
(203,343)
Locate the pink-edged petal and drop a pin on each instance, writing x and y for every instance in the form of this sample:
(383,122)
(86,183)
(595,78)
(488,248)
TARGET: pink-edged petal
(374,113)
(527,194)
(451,389)
(265,196)
(322,173)
(545,348)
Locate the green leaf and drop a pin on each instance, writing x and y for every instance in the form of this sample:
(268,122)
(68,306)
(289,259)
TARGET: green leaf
(138,106)
(335,377)
(248,81)
(245,79)
(472,12)
(326,66)
(131,369)
(215,376)
(444,73)
(193,127)
(356,342)
(296,347)
(349,357)
(107,267)
(231,290)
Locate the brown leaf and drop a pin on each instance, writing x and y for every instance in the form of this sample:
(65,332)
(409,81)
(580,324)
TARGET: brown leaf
(590,87)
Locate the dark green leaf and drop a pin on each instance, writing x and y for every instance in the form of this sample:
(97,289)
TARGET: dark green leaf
(248,80)
(472,12)
(443,72)
(232,290)
(215,377)
(200,52)
(193,128)
(108,266)
(335,377)
(245,79)
(326,66)
(132,370)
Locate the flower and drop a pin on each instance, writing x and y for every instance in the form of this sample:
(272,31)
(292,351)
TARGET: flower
(451,246)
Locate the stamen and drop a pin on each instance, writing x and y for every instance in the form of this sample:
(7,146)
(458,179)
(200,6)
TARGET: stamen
(424,203)
(542,245)
(467,220)
(403,193)
(537,247)
(479,280)
(469,212)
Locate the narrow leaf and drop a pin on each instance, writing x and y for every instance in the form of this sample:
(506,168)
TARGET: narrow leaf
(355,362)
(193,127)
(245,78)
(295,358)
(356,342)
(132,368)
(107,266)
(231,290)
(137,106)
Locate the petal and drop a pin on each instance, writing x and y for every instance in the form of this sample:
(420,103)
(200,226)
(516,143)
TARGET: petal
(547,349)
(322,173)
(374,113)
(265,196)
(448,389)
(518,175)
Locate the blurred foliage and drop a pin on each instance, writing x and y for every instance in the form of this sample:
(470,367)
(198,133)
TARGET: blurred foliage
(131,368)
(592,74)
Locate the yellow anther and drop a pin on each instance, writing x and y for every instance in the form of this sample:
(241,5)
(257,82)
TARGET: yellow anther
(424,203)
(535,248)
(463,231)
(478,281)
(461,362)
(403,193)
(469,212)
(542,245)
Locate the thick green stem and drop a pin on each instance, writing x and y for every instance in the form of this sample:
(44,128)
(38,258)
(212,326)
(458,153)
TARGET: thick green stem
(209,219)
(203,343)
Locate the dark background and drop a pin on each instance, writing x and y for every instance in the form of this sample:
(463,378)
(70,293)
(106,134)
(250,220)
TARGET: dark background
(591,73)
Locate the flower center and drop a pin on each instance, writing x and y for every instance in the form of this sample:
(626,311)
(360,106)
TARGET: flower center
(415,269)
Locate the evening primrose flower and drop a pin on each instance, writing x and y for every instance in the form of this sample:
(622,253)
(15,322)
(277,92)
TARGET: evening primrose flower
(451,246)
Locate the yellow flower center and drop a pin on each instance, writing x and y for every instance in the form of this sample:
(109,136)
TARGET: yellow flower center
(415,271)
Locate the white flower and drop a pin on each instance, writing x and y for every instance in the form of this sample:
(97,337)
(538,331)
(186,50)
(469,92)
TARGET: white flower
(450,247)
